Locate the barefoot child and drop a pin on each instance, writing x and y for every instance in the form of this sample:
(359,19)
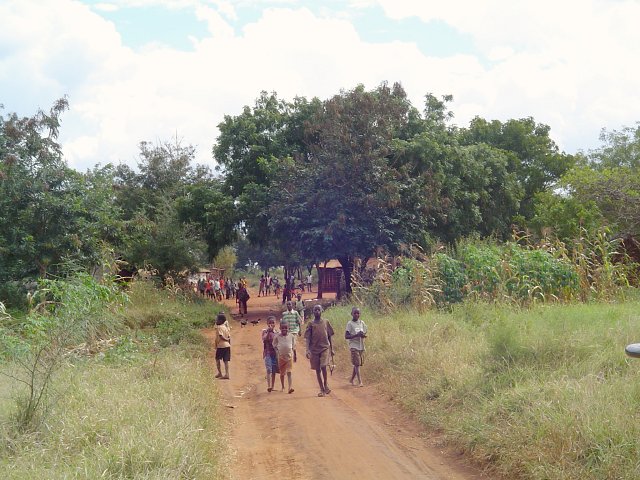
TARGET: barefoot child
(269,353)
(355,334)
(223,345)
(284,344)
(319,347)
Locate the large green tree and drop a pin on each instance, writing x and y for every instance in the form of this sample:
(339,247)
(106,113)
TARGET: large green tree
(206,205)
(248,150)
(50,215)
(619,149)
(344,199)
(165,243)
(470,188)
(538,165)
(170,198)
(603,188)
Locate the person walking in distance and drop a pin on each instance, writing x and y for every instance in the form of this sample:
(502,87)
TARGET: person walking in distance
(309,280)
(355,335)
(243,298)
(276,287)
(317,338)
(267,285)
(294,320)
(300,306)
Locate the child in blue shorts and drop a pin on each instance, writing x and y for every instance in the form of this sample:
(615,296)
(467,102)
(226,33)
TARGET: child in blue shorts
(269,353)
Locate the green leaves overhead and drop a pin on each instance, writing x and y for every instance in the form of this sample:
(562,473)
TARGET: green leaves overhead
(537,162)
(364,171)
(305,181)
(49,213)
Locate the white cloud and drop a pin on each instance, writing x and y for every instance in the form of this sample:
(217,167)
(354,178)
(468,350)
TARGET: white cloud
(217,26)
(106,7)
(569,67)
(569,64)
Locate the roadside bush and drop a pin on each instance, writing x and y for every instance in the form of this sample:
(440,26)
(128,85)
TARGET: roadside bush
(14,295)
(483,268)
(452,278)
(475,269)
(538,274)
(602,268)
(68,312)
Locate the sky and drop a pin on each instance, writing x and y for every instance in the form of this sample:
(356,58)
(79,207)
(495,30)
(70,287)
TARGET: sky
(167,70)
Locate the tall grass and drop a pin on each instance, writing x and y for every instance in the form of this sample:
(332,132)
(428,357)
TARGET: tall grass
(145,419)
(539,393)
(514,272)
(133,401)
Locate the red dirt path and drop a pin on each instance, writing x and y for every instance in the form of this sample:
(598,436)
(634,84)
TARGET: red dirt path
(351,433)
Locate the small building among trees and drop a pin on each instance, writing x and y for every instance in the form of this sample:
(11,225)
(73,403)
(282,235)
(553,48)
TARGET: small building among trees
(331,275)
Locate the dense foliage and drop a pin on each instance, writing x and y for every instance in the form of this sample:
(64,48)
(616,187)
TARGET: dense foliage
(300,182)
(515,272)
(365,171)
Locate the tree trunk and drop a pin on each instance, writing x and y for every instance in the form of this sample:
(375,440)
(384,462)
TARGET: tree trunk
(347,266)
(320,279)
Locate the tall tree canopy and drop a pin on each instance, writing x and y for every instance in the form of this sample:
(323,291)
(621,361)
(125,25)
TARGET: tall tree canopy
(364,170)
(169,198)
(538,163)
(470,188)
(603,188)
(248,150)
(50,215)
(345,198)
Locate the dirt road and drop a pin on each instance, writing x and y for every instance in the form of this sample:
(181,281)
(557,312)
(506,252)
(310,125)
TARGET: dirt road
(351,433)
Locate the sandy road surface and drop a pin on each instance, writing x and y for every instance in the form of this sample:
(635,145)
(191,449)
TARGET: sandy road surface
(351,433)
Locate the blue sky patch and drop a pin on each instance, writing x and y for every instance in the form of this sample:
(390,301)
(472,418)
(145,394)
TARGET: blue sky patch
(142,25)
(139,26)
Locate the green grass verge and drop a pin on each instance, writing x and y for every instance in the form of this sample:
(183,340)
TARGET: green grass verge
(540,393)
(145,408)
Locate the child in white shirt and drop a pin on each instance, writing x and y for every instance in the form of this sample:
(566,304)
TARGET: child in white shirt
(355,334)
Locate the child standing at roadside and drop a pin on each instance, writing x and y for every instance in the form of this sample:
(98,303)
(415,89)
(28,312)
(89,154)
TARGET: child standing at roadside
(269,353)
(355,334)
(285,344)
(223,345)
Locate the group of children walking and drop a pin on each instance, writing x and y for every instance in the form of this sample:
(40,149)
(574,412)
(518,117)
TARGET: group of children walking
(279,346)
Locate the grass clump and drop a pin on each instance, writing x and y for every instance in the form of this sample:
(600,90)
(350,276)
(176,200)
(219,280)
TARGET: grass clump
(541,393)
(133,399)
(155,418)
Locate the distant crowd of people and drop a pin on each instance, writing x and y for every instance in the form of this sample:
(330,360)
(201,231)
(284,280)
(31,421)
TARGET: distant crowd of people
(219,288)
(270,284)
